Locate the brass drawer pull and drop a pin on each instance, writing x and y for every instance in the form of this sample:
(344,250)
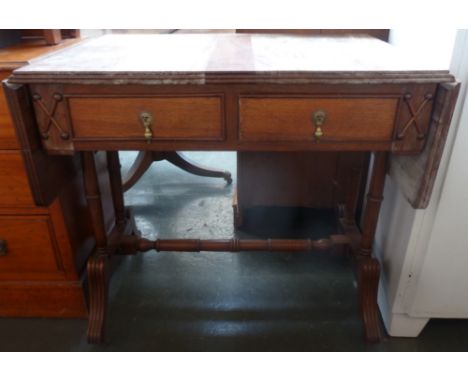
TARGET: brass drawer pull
(319,118)
(3,248)
(147,120)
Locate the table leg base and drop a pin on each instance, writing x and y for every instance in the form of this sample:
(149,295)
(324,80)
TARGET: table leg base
(97,280)
(127,241)
(368,273)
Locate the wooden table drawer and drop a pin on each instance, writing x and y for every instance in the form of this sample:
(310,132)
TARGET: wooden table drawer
(28,246)
(14,184)
(291,119)
(174,118)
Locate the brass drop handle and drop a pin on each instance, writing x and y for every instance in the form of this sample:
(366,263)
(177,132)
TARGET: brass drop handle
(3,248)
(319,117)
(147,120)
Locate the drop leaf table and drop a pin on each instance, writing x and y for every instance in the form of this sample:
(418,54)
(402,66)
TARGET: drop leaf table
(249,92)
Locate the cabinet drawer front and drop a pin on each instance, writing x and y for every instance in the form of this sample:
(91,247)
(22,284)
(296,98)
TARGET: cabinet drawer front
(28,246)
(7,131)
(291,119)
(14,184)
(177,118)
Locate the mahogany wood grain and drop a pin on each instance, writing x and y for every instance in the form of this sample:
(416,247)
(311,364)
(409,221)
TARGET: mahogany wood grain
(291,119)
(286,179)
(40,271)
(30,246)
(299,179)
(73,212)
(39,242)
(97,269)
(368,268)
(415,175)
(187,145)
(93,197)
(14,184)
(46,174)
(18,55)
(53,100)
(133,244)
(105,80)
(42,299)
(414,118)
(8,140)
(176,117)
(98,263)
(49,36)
(70,33)
(368,273)
(52,36)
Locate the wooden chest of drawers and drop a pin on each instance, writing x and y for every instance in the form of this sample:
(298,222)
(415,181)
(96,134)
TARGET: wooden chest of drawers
(42,249)
(14,189)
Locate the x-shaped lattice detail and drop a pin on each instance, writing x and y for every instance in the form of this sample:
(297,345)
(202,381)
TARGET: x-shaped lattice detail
(414,116)
(50,115)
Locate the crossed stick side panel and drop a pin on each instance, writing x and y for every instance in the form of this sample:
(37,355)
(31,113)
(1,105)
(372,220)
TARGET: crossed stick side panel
(415,114)
(49,113)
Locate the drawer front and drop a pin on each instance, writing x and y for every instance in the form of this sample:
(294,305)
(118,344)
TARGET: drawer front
(291,119)
(27,246)
(14,184)
(7,131)
(173,118)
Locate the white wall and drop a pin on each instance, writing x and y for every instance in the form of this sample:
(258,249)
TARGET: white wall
(435,44)
(423,252)
(443,271)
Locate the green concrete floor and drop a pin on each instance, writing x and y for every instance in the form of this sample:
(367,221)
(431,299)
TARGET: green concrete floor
(224,301)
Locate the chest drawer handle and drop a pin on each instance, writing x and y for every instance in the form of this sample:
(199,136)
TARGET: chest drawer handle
(147,120)
(3,247)
(319,117)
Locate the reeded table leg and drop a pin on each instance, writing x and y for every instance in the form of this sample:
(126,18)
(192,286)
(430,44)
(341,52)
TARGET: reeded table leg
(368,268)
(97,282)
(97,263)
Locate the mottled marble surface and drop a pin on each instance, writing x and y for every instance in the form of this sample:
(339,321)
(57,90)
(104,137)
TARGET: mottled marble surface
(226,56)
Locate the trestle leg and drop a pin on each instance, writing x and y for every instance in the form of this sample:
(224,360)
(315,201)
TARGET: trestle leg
(97,263)
(97,282)
(368,268)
